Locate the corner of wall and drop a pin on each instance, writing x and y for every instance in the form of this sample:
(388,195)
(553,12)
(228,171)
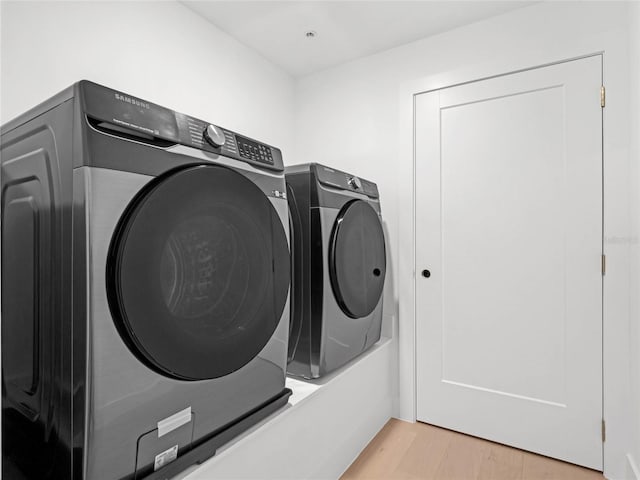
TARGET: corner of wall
(632,472)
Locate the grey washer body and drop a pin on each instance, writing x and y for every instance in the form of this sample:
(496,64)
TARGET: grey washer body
(94,410)
(322,336)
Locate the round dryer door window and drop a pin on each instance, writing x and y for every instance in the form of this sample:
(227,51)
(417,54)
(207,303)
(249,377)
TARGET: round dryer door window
(357,261)
(198,273)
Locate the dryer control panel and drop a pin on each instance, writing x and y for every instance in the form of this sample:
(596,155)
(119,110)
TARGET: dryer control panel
(345,181)
(136,119)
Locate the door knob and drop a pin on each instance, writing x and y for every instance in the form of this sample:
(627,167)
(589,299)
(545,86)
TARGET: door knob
(426,273)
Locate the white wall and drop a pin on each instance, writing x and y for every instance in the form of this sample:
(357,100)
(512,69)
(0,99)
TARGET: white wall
(345,116)
(348,116)
(159,51)
(634,128)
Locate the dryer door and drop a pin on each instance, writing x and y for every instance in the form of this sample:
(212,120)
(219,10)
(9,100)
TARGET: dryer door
(198,273)
(357,261)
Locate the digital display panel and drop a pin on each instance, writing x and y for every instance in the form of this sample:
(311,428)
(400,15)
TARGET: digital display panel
(253,150)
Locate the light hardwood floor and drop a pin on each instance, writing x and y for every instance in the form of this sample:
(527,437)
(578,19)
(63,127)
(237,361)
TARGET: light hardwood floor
(411,451)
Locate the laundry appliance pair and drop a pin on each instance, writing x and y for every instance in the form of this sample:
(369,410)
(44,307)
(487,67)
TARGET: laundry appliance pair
(146,274)
(145,287)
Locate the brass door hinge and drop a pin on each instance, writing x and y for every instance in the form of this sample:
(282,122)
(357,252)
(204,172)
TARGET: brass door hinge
(603,96)
(604,431)
(603,264)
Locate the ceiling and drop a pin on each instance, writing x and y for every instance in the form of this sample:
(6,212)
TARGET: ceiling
(345,30)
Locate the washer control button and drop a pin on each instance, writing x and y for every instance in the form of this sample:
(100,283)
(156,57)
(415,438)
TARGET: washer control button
(215,136)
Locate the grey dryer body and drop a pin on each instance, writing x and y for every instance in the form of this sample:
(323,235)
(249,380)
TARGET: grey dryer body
(338,268)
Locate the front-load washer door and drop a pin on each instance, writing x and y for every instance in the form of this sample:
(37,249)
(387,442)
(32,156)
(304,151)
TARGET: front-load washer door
(198,273)
(357,261)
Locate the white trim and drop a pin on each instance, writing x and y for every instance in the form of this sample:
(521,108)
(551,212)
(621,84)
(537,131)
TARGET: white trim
(406,262)
(319,434)
(633,467)
(611,45)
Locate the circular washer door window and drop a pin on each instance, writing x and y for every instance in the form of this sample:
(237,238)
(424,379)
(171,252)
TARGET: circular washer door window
(357,261)
(198,273)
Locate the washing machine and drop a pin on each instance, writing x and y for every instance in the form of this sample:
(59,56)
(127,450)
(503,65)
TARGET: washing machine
(145,287)
(338,268)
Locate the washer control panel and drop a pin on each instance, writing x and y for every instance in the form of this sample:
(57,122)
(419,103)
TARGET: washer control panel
(212,138)
(137,119)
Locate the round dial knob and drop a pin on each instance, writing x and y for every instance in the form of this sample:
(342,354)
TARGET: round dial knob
(214,135)
(354,182)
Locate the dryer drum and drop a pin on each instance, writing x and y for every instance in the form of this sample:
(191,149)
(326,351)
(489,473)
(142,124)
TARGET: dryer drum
(357,260)
(198,273)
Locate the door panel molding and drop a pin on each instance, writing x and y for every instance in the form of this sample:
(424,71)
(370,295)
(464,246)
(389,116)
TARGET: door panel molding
(433,111)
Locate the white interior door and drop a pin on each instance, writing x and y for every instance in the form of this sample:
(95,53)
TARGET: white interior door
(509,226)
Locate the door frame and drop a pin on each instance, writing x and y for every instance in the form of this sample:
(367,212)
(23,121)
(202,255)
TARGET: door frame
(617,409)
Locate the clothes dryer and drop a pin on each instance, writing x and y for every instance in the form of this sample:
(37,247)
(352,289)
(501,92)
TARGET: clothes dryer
(338,268)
